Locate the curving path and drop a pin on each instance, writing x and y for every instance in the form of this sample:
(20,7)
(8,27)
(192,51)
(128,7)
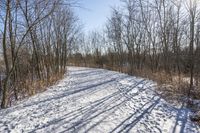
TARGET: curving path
(97,101)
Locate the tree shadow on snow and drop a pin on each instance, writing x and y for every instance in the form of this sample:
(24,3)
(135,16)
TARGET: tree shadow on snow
(183,124)
(78,119)
(86,118)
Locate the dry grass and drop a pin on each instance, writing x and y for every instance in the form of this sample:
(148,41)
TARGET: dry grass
(29,87)
(172,86)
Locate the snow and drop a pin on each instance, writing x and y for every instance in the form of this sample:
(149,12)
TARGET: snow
(97,101)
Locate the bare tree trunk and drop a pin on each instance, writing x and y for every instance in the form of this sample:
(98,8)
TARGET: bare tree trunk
(5,83)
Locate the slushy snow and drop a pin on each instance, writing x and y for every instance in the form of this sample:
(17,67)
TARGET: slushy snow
(97,101)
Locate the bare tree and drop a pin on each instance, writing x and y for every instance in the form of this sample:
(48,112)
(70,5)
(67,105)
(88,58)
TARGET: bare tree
(29,30)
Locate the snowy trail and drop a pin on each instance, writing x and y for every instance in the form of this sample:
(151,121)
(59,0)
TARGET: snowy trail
(97,101)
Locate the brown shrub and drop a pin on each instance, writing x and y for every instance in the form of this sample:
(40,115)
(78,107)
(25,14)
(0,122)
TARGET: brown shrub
(31,87)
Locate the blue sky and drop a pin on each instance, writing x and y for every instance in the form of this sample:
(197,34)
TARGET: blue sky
(96,12)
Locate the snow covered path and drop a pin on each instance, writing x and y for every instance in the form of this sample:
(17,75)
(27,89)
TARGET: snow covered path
(97,101)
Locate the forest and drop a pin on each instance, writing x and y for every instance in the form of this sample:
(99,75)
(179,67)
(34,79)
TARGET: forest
(35,39)
(157,40)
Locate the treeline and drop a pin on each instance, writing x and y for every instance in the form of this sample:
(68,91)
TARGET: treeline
(145,37)
(36,36)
